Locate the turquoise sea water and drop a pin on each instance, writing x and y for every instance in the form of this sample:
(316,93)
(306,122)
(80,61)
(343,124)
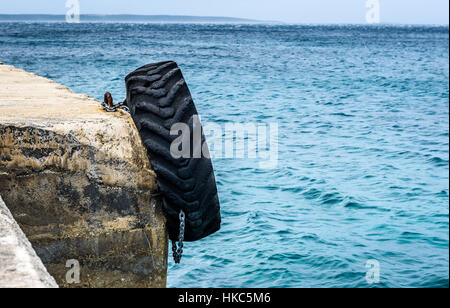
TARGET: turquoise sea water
(363,141)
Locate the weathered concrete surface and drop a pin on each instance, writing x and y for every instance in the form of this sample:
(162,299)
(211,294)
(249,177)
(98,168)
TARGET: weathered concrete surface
(79,183)
(20,267)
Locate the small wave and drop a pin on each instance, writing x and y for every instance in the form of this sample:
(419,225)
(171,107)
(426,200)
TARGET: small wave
(410,235)
(285,256)
(315,238)
(441,216)
(369,176)
(342,114)
(331,198)
(432,281)
(271,187)
(293,189)
(217,261)
(438,162)
(358,206)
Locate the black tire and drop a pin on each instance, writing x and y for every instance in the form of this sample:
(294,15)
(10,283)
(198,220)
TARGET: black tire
(158,97)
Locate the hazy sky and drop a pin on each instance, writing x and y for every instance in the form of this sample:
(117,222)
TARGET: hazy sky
(295,11)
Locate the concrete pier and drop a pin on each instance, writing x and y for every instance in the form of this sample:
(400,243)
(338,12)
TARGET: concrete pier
(79,183)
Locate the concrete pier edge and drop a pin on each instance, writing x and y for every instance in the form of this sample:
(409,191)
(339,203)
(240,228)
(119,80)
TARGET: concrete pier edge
(20,266)
(79,183)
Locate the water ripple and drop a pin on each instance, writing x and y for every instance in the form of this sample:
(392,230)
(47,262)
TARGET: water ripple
(363,141)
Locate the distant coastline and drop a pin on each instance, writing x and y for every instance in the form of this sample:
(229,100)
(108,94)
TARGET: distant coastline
(181,19)
(127,18)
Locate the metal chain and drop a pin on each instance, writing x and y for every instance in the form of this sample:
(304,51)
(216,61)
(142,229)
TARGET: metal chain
(177,248)
(115,107)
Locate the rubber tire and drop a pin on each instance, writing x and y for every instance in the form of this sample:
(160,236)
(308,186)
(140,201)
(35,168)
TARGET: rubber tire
(158,97)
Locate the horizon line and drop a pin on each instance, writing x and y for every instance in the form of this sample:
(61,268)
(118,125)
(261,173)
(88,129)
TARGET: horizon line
(222,18)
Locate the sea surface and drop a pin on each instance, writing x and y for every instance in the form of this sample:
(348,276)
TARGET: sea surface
(363,115)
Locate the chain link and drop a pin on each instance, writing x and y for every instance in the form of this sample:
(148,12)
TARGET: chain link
(115,107)
(109,106)
(177,248)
